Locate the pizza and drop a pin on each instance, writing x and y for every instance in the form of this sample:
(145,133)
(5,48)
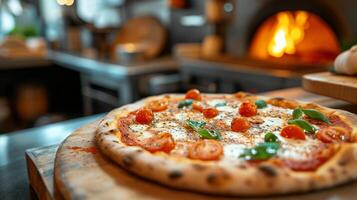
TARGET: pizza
(232,144)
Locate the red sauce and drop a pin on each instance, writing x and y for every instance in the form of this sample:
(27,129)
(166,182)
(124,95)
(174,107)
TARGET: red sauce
(92,150)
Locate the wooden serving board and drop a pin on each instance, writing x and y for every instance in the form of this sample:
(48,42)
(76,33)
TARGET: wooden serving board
(40,162)
(83,173)
(332,85)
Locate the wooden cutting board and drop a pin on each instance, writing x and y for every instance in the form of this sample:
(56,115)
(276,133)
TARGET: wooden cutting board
(40,163)
(332,85)
(81,172)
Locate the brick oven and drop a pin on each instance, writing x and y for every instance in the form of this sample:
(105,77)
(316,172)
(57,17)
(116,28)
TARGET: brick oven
(318,29)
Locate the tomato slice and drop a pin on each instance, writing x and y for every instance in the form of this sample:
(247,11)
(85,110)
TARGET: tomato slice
(193,94)
(210,112)
(144,116)
(293,132)
(240,124)
(197,106)
(247,109)
(206,149)
(333,135)
(159,105)
(161,142)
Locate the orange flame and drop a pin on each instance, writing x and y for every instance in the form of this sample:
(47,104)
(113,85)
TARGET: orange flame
(288,32)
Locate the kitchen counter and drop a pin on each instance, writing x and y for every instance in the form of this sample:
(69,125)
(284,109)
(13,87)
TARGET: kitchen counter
(13,175)
(86,64)
(22,63)
(226,63)
(120,83)
(228,74)
(110,68)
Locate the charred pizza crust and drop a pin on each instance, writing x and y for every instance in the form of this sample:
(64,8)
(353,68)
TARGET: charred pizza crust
(214,177)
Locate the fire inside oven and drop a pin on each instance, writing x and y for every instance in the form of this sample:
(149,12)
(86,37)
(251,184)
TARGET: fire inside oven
(295,37)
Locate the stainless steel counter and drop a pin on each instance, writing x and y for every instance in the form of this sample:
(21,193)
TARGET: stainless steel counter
(13,175)
(110,68)
(226,74)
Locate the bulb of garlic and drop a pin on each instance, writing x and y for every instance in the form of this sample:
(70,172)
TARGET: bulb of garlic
(346,62)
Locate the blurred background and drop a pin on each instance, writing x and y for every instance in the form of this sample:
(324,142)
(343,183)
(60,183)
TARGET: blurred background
(63,59)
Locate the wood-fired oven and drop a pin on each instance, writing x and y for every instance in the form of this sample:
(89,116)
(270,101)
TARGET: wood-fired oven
(304,31)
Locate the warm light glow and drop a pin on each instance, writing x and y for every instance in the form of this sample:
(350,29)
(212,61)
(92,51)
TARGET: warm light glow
(288,32)
(65,2)
(61,2)
(295,37)
(70,2)
(129,47)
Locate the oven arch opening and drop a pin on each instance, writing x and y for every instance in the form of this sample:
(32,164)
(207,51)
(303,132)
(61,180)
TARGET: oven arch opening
(319,10)
(293,37)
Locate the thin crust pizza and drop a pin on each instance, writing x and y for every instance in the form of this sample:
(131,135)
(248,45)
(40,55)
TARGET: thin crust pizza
(232,144)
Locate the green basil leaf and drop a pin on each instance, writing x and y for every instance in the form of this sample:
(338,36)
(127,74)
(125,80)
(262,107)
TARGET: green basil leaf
(260,103)
(185,103)
(262,151)
(209,134)
(270,137)
(303,124)
(220,104)
(297,113)
(314,114)
(195,124)
(204,133)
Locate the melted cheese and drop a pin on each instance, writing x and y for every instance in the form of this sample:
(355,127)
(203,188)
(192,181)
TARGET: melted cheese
(237,138)
(271,124)
(181,116)
(298,149)
(178,133)
(227,109)
(138,127)
(142,135)
(271,121)
(214,102)
(233,151)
